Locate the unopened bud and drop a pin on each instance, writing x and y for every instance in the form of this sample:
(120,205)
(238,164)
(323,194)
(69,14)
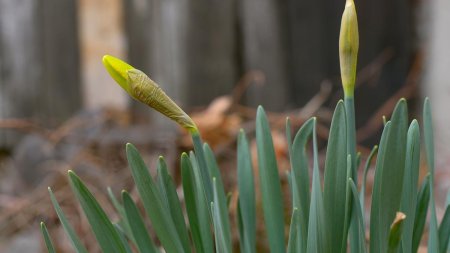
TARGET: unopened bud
(145,90)
(348,47)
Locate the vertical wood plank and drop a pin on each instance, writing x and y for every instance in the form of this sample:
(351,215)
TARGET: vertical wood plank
(263,25)
(211,50)
(39,62)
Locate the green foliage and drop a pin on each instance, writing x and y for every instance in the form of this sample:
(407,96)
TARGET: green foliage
(324,218)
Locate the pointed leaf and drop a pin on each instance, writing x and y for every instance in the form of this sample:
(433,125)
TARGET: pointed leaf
(423,200)
(47,239)
(270,186)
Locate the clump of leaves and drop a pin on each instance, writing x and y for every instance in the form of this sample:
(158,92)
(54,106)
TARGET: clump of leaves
(324,219)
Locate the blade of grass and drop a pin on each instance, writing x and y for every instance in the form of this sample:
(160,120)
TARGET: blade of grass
(104,231)
(70,232)
(246,202)
(203,167)
(388,182)
(161,220)
(47,239)
(335,178)
(433,238)
(423,200)
(270,186)
(170,198)
(137,226)
(409,192)
(317,235)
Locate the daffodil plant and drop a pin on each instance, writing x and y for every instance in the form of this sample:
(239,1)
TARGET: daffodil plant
(325,217)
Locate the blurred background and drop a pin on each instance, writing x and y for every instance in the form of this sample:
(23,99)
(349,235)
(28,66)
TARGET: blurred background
(60,110)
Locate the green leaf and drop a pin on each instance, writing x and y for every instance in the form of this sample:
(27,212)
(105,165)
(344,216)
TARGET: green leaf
(423,200)
(335,178)
(247,203)
(317,229)
(222,236)
(270,186)
(395,233)
(122,237)
(219,197)
(137,226)
(196,207)
(444,231)
(294,243)
(104,231)
(300,178)
(433,238)
(161,220)
(119,208)
(389,174)
(409,192)
(170,198)
(359,218)
(47,239)
(203,167)
(70,232)
(362,194)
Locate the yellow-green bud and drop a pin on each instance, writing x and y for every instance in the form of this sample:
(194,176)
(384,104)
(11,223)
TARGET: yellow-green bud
(145,90)
(348,47)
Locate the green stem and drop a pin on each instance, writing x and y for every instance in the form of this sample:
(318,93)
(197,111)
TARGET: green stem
(351,134)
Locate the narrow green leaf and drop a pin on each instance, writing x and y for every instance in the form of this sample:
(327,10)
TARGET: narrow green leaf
(359,218)
(170,198)
(444,231)
(409,192)
(389,174)
(348,207)
(47,239)
(423,200)
(335,178)
(317,235)
(137,226)
(270,186)
(123,223)
(219,197)
(247,203)
(300,178)
(362,194)
(161,220)
(433,238)
(222,236)
(70,232)
(122,237)
(107,236)
(294,243)
(196,207)
(395,233)
(203,167)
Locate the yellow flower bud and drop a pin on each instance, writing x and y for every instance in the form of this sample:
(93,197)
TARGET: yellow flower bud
(145,90)
(118,70)
(348,47)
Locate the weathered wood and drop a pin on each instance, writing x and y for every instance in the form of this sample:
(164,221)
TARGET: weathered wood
(39,62)
(263,26)
(155,34)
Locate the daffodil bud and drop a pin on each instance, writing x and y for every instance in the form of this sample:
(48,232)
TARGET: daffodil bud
(145,90)
(348,48)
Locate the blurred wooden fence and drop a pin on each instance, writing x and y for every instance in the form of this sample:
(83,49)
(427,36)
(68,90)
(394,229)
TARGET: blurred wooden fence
(198,49)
